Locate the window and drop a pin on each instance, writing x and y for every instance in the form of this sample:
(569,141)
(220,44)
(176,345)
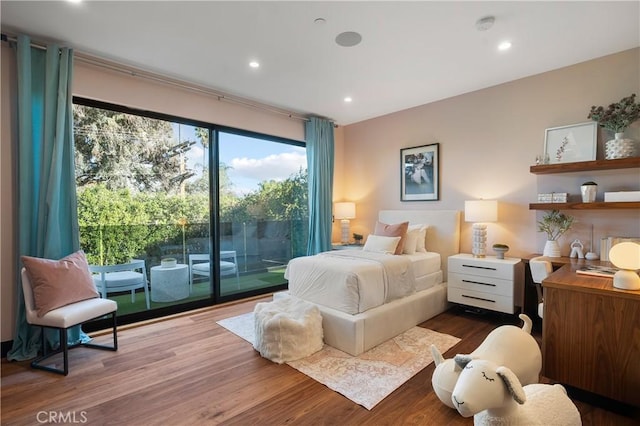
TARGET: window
(160,188)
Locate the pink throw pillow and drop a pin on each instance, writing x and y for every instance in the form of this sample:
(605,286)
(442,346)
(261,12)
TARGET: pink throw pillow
(58,283)
(395,230)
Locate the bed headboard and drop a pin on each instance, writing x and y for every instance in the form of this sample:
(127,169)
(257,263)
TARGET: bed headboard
(443,235)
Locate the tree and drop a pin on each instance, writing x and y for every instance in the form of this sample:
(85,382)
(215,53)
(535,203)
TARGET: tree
(124,151)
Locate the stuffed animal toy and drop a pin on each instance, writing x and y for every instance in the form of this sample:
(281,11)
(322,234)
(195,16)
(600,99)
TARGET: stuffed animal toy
(493,395)
(506,345)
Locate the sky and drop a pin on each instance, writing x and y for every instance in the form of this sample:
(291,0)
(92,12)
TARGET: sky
(251,160)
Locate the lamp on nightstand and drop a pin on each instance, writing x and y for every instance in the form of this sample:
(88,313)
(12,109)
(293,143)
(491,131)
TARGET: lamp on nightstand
(626,256)
(344,212)
(480,212)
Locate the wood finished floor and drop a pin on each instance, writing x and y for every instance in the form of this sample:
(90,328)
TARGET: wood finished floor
(188,370)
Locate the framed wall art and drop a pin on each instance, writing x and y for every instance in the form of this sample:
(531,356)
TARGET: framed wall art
(420,173)
(568,144)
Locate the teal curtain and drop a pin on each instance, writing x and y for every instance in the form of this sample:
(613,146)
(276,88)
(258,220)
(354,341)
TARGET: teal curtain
(320,154)
(48,222)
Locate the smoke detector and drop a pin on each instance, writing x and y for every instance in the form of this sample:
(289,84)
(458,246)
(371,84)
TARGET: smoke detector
(483,24)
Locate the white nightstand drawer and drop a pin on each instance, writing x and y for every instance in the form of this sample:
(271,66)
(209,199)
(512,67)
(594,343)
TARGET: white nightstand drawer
(486,267)
(480,300)
(482,284)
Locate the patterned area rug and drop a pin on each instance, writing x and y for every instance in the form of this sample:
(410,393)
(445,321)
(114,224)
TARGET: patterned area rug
(370,377)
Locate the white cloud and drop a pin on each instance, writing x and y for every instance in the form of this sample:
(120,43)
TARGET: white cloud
(272,167)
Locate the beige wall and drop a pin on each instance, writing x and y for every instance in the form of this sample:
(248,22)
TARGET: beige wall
(488,139)
(8,220)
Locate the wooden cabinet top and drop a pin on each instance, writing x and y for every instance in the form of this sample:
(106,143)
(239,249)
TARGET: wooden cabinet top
(566,278)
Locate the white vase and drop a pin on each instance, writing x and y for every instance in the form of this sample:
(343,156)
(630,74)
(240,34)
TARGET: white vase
(619,147)
(551,249)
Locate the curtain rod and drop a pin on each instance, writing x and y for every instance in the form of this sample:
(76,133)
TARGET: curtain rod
(136,72)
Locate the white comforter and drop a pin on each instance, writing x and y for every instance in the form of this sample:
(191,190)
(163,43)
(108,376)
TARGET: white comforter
(350,281)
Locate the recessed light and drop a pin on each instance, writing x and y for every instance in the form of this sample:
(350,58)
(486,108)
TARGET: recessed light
(505,45)
(320,21)
(254,64)
(348,99)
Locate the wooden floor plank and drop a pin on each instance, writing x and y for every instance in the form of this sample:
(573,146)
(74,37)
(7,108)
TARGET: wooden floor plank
(187,370)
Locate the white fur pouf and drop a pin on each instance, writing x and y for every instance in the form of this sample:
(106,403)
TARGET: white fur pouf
(287,329)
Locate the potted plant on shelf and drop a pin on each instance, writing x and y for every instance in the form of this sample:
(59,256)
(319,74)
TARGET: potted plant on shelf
(616,118)
(554,224)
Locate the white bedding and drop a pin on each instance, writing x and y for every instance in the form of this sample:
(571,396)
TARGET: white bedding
(355,281)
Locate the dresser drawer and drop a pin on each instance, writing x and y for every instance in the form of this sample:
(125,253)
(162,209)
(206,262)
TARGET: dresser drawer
(481,284)
(480,300)
(482,267)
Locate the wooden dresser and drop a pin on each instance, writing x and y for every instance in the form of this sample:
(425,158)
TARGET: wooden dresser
(591,335)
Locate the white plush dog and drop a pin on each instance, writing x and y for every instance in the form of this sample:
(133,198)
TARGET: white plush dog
(506,345)
(493,395)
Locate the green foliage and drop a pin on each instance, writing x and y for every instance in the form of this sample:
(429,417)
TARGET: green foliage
(124,151)
(118,225)
(134,200)
(618,116)
(555,223)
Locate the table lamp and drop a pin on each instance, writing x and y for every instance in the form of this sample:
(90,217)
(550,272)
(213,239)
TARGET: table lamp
(626,256)
(480,212)
(344,212)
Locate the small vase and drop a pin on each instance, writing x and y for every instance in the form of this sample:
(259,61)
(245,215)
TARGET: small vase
(619,147)
(588,193)
(551,249)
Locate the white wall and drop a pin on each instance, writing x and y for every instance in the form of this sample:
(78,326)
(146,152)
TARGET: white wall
(488,140)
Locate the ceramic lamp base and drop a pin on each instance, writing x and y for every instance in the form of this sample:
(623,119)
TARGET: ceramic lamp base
(344,227)
(479,243)
(626,280)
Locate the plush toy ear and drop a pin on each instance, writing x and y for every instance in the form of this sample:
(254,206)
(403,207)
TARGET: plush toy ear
(436,355)
(462,360)
(513,384)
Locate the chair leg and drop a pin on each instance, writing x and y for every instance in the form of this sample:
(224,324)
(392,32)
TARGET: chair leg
(115,337)
(146,295)
(64,349)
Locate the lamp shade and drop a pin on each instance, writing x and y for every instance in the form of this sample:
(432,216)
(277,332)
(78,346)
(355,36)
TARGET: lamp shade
(481,211)
(344,210)
(626,256)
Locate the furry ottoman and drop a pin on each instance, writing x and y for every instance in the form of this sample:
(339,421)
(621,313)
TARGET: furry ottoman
(287,329)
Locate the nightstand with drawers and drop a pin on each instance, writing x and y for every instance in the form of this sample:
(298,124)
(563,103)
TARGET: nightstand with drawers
(486,282)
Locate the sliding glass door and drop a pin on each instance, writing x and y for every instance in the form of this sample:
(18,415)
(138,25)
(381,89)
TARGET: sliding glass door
(262,209)
(215,213)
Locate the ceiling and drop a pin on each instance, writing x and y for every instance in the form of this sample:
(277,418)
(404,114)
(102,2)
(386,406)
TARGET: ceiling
(411,53)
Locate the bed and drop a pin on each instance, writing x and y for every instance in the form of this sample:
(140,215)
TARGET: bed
(355,323)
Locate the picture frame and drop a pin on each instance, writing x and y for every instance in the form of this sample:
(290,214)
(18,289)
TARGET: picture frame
(420,173)
(573,143)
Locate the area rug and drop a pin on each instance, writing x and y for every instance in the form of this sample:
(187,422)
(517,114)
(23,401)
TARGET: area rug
(370,377)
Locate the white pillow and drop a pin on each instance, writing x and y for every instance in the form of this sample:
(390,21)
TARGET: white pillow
(411,241)
(380,244)
(422,237)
